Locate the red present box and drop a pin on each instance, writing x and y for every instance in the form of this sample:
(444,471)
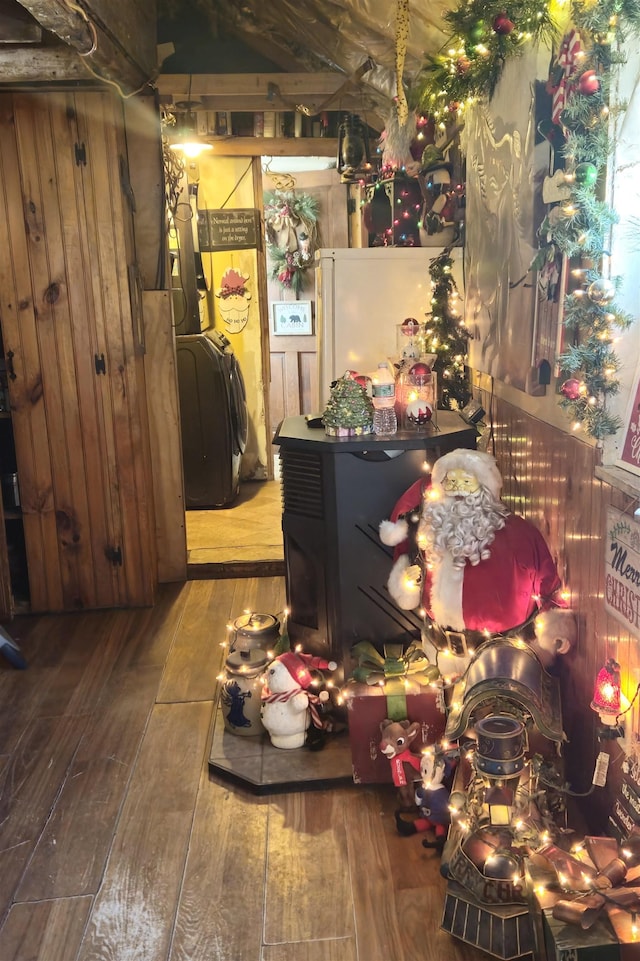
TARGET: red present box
(368,705)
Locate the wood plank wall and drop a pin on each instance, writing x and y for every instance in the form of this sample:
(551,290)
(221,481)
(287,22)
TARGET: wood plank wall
(549,479)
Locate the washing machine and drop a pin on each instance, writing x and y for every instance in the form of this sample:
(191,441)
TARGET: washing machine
(213,417)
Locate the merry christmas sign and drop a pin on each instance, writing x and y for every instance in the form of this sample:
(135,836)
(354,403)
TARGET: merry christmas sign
(622,569)
(630,456)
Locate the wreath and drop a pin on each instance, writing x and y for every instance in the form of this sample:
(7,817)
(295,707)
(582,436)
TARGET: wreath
(291,224)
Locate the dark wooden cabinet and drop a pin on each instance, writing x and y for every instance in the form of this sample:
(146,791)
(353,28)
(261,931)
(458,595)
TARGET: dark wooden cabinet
(335,492)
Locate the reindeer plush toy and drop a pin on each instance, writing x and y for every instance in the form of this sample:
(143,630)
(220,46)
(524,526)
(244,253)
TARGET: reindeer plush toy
(397,737)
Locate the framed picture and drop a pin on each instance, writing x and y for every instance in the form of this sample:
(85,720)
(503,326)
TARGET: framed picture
(292,317)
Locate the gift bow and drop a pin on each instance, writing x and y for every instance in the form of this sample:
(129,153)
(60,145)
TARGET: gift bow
(606,882)
(391,670)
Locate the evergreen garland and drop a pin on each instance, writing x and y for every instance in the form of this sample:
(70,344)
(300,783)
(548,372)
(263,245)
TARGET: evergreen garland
(446,336)
(484,35)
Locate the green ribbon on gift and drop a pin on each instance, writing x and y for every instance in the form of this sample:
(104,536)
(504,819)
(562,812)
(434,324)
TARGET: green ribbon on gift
(391,670)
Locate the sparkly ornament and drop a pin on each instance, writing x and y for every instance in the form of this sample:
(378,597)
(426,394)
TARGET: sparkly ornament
(462,65)
(571,389)
(419,413)
(601,292)
(502,24)
(477,31)
(588,84)
(586,174)
(420,374)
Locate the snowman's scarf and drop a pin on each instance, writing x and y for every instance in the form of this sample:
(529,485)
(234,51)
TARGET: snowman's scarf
(268,697)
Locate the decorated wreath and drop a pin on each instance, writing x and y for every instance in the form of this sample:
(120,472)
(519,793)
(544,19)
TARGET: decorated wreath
(291,224)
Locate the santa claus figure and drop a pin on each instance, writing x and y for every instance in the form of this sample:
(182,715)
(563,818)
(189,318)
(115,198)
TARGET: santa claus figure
(463,555)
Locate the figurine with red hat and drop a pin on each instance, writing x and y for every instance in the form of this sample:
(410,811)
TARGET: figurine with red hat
(289,703)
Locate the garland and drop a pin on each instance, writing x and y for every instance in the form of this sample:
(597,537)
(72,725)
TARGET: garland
(579,226)
(292,233)
(483,37)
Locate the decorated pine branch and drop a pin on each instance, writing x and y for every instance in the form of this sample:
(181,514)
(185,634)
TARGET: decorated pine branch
(446,335)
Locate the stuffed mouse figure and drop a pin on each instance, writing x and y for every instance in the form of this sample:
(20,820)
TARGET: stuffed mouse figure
(432,800)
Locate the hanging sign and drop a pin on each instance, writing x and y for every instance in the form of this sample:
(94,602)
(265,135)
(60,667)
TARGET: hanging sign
(228,229)
(630,456)
(622,569)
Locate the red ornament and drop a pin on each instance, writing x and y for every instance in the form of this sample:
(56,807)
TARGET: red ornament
(419,412)
(588,84)
(364,381)
(420,373)
(571,388)
(502,24)
(462,64)
(410,322)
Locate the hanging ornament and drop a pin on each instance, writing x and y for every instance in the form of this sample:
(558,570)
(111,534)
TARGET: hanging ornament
(420,374)
(402,32)
(571,389)
(502,24)
(462,65)
(588,84)
(586,174)
(601,292)
(477,31)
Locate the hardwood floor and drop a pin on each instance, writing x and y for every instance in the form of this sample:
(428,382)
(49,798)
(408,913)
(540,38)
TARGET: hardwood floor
(242,540)
(119,845)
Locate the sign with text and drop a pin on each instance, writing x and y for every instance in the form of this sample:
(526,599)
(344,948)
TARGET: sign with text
(622,569)
(228,229)
(630,456)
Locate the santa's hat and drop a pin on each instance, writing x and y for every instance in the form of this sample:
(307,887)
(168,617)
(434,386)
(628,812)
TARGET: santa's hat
(476,462)
(299,666)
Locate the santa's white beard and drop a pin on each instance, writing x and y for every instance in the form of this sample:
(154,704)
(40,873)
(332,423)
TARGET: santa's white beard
(453,531)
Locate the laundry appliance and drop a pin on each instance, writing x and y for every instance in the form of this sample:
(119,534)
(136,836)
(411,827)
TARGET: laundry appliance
(213,417)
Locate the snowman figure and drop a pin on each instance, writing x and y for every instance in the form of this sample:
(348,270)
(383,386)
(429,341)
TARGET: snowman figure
(288,704)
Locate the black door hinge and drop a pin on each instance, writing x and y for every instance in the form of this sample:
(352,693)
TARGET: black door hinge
(81,154)
(101,367)
(114,554)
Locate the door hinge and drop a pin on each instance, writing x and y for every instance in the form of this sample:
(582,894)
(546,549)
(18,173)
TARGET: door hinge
(114,554)
(101,367)
(81,154)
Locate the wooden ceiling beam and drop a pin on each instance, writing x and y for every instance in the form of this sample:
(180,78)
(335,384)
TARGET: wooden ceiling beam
(25,66)
(84,30)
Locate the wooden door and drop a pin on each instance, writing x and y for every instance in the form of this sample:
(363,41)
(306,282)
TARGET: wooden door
(72,321)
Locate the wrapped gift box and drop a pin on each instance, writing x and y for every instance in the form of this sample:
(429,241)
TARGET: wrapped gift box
(367,707)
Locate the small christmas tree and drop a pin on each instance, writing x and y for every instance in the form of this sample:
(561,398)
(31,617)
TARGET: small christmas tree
(349,409)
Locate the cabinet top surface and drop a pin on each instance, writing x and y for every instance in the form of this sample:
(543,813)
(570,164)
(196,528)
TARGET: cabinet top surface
(452,432)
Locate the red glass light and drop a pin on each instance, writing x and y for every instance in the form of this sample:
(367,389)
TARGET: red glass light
(606,693)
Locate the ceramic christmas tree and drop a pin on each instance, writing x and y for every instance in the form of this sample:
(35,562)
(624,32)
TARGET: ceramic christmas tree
(349,411)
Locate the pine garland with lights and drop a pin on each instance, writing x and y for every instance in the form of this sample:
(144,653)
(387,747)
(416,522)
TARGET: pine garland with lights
(446,335)
(484,35)
(579,227)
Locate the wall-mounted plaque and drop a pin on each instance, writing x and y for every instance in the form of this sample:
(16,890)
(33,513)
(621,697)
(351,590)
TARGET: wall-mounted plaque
(237,229)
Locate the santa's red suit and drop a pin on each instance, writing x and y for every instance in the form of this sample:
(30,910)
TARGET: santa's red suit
(497,594)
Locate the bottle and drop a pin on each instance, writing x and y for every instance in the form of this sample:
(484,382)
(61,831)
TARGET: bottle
(383,397)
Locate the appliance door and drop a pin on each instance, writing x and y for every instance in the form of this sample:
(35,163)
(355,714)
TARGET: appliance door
(362,295)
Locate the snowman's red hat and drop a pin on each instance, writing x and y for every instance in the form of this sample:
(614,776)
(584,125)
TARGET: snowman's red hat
(299,666)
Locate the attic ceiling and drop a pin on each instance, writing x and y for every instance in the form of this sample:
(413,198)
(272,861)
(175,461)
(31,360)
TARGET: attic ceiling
(132,41)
